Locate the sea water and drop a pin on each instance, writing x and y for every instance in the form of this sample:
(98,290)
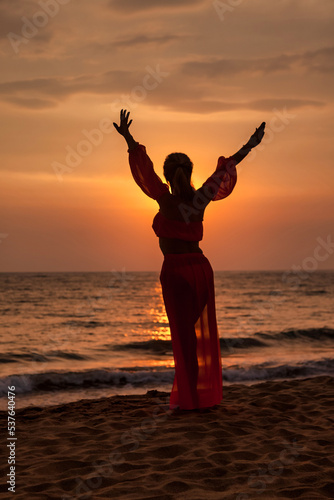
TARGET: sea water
(69,336)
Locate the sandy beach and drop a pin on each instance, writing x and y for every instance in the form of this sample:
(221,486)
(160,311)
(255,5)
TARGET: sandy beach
(270,440)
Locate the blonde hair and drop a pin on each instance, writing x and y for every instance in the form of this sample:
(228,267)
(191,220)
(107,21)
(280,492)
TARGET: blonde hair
(177,171)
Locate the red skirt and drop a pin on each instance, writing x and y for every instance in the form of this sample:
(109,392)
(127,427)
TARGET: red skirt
(188,290)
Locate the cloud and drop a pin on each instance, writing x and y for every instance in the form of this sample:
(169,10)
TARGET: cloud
(49,90)
(138,6)
(321,60)
(215,106)
(43,93)
(9,22)
(270,104)
(145,40)
(32,103)
(132,42)
(17,30)
(191,86)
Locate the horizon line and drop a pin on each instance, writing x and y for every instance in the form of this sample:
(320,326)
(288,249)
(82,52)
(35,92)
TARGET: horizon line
(158,270)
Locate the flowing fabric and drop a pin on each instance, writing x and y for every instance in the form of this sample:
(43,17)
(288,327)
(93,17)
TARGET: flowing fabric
(188,290)
(222,182)
(144,175)
(218,186)
(188,287)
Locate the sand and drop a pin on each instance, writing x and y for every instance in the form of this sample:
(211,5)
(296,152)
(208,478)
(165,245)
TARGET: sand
(270,440)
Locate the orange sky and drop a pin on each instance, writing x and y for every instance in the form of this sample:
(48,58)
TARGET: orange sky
(198,77)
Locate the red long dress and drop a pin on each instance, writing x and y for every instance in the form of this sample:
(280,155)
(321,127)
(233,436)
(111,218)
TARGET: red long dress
(187,282)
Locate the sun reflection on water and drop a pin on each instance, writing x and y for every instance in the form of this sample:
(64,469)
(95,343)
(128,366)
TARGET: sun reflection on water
(159,317)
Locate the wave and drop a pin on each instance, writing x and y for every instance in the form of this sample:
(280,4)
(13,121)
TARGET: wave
(158,346)
(12,357)
(240,343)
(86,324)
(161,347)
(165,346)
(63,380)
(262,372)
(307,334)
(149,377)
(259,339)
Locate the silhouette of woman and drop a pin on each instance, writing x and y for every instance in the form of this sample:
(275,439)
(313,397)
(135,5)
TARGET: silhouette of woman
(186,276)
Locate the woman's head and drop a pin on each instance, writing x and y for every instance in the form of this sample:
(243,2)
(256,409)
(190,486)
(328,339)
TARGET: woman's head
(177,171)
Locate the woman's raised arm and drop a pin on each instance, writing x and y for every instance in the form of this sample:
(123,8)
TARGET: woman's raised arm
(140,163)
(123,129)
(254,140)
(222,182)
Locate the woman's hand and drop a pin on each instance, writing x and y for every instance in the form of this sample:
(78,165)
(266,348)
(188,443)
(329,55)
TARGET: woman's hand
(123,128)
(256,138)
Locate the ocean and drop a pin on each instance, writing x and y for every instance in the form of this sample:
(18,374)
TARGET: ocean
(70,336)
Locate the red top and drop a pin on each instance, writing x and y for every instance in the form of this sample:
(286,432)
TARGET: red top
(218,186)
(167,228)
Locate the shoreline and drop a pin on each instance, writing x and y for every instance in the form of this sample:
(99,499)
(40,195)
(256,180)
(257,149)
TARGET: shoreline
(51,398)
(272,439)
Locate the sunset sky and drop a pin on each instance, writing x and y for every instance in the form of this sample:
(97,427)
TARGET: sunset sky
(198,77)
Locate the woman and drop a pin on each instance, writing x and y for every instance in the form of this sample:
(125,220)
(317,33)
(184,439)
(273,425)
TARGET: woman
(186,276)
